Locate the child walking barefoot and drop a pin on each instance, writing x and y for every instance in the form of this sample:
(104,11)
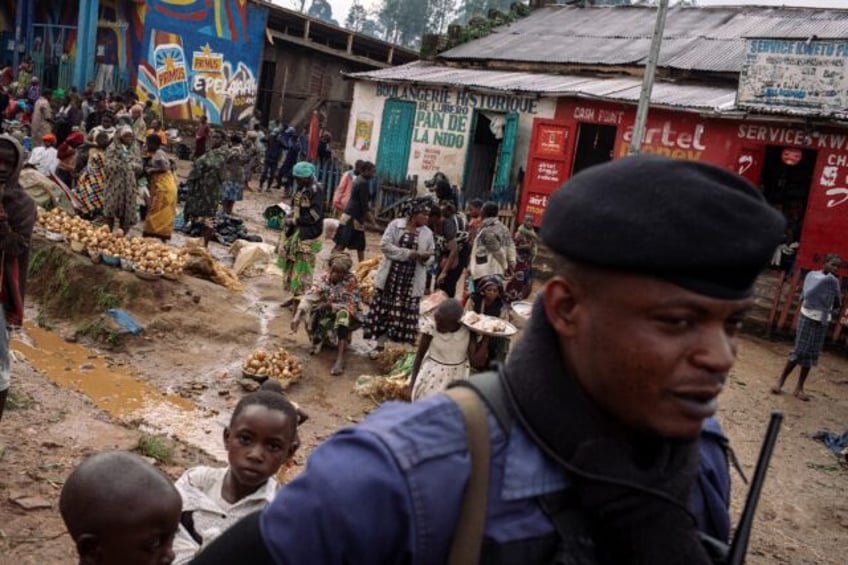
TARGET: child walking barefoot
(445,352)
(261,437)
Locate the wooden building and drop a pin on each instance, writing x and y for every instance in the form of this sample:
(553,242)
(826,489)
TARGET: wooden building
(303,69)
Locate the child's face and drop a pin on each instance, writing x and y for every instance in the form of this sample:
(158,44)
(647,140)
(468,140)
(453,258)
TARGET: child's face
(144,538)
(258,442)
(490,293)
(337,276)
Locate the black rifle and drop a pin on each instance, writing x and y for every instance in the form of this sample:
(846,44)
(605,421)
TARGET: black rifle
(739,546)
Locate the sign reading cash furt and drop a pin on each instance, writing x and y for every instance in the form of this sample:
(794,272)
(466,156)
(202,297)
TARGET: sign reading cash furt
(811,76)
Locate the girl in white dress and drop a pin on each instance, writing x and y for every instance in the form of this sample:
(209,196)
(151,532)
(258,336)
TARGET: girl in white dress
(444,352)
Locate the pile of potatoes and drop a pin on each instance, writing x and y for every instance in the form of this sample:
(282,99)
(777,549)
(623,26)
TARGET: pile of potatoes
(279,365)
(147,255)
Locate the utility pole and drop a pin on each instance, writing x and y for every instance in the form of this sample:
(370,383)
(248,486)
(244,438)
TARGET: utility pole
(648,79)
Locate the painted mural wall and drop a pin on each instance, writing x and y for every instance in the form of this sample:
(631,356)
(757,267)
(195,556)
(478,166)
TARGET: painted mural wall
(201,57)
(442,126)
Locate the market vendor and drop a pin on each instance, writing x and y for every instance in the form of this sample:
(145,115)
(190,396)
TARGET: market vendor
(331,307)
(301,238)
(205,183)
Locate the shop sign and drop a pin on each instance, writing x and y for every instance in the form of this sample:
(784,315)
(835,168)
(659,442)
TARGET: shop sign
(791,156)
(551,140)
(793,73)
(451,101)
(676,142)
(536,204)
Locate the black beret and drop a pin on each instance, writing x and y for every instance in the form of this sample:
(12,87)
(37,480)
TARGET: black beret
(698,226)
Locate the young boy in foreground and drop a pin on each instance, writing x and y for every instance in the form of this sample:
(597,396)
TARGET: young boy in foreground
(120,510)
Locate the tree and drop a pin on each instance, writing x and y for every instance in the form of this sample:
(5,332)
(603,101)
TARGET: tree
(356,17)
(442,13)
(321,10)
(359,20)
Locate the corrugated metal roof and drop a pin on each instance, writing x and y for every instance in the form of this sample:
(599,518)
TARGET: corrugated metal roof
(701,39)
(619,89)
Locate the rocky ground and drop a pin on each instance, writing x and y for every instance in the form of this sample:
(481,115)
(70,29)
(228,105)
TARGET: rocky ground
(166,393)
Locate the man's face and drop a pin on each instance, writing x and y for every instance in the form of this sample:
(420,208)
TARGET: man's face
(216,139)
(106,121)
(8,161)
(832,266)
(368,172)
(651,354)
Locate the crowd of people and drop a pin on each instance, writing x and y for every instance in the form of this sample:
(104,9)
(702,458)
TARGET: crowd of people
(577,461)
(599,441)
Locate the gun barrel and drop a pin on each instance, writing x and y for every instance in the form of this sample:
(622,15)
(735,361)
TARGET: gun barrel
(739,547)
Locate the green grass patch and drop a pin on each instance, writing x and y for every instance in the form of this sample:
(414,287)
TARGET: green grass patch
(18,400)
(157,447)
(105,300)
(97,331)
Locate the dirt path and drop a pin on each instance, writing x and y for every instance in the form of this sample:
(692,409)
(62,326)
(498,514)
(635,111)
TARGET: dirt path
(180,379)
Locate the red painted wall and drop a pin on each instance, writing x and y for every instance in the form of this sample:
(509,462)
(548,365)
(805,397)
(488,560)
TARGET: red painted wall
(733,144)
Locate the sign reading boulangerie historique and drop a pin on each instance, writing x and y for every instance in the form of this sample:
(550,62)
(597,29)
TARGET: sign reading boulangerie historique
(795,73)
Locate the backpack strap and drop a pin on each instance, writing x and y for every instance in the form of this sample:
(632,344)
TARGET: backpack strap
(467,542)
(489,387)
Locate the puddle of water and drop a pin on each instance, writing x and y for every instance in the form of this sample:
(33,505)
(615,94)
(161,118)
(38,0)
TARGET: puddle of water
(117,391)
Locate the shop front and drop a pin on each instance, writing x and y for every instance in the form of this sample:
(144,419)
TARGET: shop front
(802,169)
(478,139)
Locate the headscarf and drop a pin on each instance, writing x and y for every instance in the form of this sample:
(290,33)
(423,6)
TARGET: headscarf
(415,205)
(489,281)
(303,170)
(122,130)
(48,138)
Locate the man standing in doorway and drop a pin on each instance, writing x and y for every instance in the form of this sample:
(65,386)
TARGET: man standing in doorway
(820,297)
(357,214)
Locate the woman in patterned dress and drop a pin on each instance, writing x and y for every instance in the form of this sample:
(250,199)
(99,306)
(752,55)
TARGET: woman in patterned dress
(331,307)
(89,186)
(121,165)
(205,185)
(301,240)
(407,245)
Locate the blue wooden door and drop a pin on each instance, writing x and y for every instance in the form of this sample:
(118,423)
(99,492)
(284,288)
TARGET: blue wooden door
(506,151)
(395,140)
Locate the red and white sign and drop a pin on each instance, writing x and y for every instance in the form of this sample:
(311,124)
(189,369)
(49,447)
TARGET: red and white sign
(791,156)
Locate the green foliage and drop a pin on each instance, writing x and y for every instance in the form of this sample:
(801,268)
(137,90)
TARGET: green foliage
(105,300)
(17,400)
(157,447)
(97,331)
(321,10)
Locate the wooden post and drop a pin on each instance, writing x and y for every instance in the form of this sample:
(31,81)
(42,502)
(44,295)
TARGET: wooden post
(391,55)
(349,43)
(776,300)
(306,30)
(790,298)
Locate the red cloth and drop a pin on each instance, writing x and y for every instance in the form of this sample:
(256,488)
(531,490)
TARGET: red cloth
(314,132)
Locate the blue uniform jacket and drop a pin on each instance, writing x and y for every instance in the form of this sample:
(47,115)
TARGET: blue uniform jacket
(390,489)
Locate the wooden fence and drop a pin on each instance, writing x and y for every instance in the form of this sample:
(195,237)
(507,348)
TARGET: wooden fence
(387,194)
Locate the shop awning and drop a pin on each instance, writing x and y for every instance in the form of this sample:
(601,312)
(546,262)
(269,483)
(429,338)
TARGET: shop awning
(694,97)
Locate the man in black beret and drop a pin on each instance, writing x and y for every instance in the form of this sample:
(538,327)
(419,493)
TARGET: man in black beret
(593,425)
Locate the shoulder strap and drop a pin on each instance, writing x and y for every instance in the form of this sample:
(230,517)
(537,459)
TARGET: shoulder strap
(489,387)
(467,540)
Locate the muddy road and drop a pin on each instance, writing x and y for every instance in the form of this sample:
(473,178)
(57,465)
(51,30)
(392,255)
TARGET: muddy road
(172,388)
